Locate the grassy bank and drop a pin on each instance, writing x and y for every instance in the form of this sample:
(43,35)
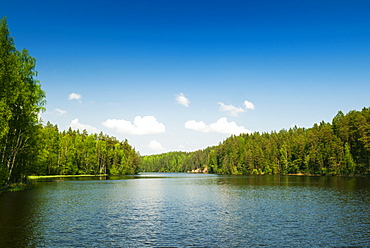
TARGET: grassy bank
(63,176)
(23,186)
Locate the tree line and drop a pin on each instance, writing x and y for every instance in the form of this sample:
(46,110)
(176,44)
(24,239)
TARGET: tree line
(29,148)
(75,153)
(338,148)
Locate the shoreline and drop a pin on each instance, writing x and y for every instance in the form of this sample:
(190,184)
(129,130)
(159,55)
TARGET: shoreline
(56,176)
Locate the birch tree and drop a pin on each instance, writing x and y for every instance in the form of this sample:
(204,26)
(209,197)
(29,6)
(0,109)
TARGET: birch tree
(21,100)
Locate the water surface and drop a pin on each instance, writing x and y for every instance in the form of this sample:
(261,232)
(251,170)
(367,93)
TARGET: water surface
(188,210)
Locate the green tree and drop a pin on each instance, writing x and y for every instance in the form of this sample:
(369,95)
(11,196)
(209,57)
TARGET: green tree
(340,148)
(48,144)
(21,100)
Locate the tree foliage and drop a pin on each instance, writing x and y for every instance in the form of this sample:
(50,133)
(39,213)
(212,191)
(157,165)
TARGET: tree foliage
(74,153)
(27,147)
(21,100)
(338,148)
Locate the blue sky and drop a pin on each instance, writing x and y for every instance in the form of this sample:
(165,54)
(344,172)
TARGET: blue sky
(184,75)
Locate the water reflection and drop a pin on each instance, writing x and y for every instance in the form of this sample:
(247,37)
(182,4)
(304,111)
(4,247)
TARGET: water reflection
(176,210)
(18,224)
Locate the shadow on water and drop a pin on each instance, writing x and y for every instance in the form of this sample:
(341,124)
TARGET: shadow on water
(143,175)
(17,220)
(181,209)
(343,183)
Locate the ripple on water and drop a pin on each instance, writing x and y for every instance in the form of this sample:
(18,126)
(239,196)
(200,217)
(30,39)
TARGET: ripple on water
(199,211)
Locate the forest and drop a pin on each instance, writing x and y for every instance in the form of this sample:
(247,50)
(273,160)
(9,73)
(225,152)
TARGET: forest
(74,153)
(338,148)
(27,147)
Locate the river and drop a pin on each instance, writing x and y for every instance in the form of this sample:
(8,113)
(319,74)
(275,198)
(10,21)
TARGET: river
(188,210)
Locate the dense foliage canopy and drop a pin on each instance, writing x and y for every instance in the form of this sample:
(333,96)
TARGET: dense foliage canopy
(27,147)
(339,148)
(30,148)
(74,153)
(21,100)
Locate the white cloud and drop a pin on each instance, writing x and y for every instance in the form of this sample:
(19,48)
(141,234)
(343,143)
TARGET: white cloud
(199,126)
(181,99)
(155,145)
(74,96)
(221,126)
(142,126)
(248,105)
(234,111)
(76,125)
(61,112)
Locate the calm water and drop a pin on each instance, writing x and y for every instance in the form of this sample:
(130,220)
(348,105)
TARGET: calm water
(189,210)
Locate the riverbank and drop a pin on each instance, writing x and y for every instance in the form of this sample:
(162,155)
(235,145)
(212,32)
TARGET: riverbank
(22,186)
(14,187)
(63,176)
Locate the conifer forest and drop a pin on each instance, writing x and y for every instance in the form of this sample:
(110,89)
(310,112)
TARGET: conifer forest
(30,147)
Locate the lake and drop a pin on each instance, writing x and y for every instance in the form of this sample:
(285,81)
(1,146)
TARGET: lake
(188,210)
